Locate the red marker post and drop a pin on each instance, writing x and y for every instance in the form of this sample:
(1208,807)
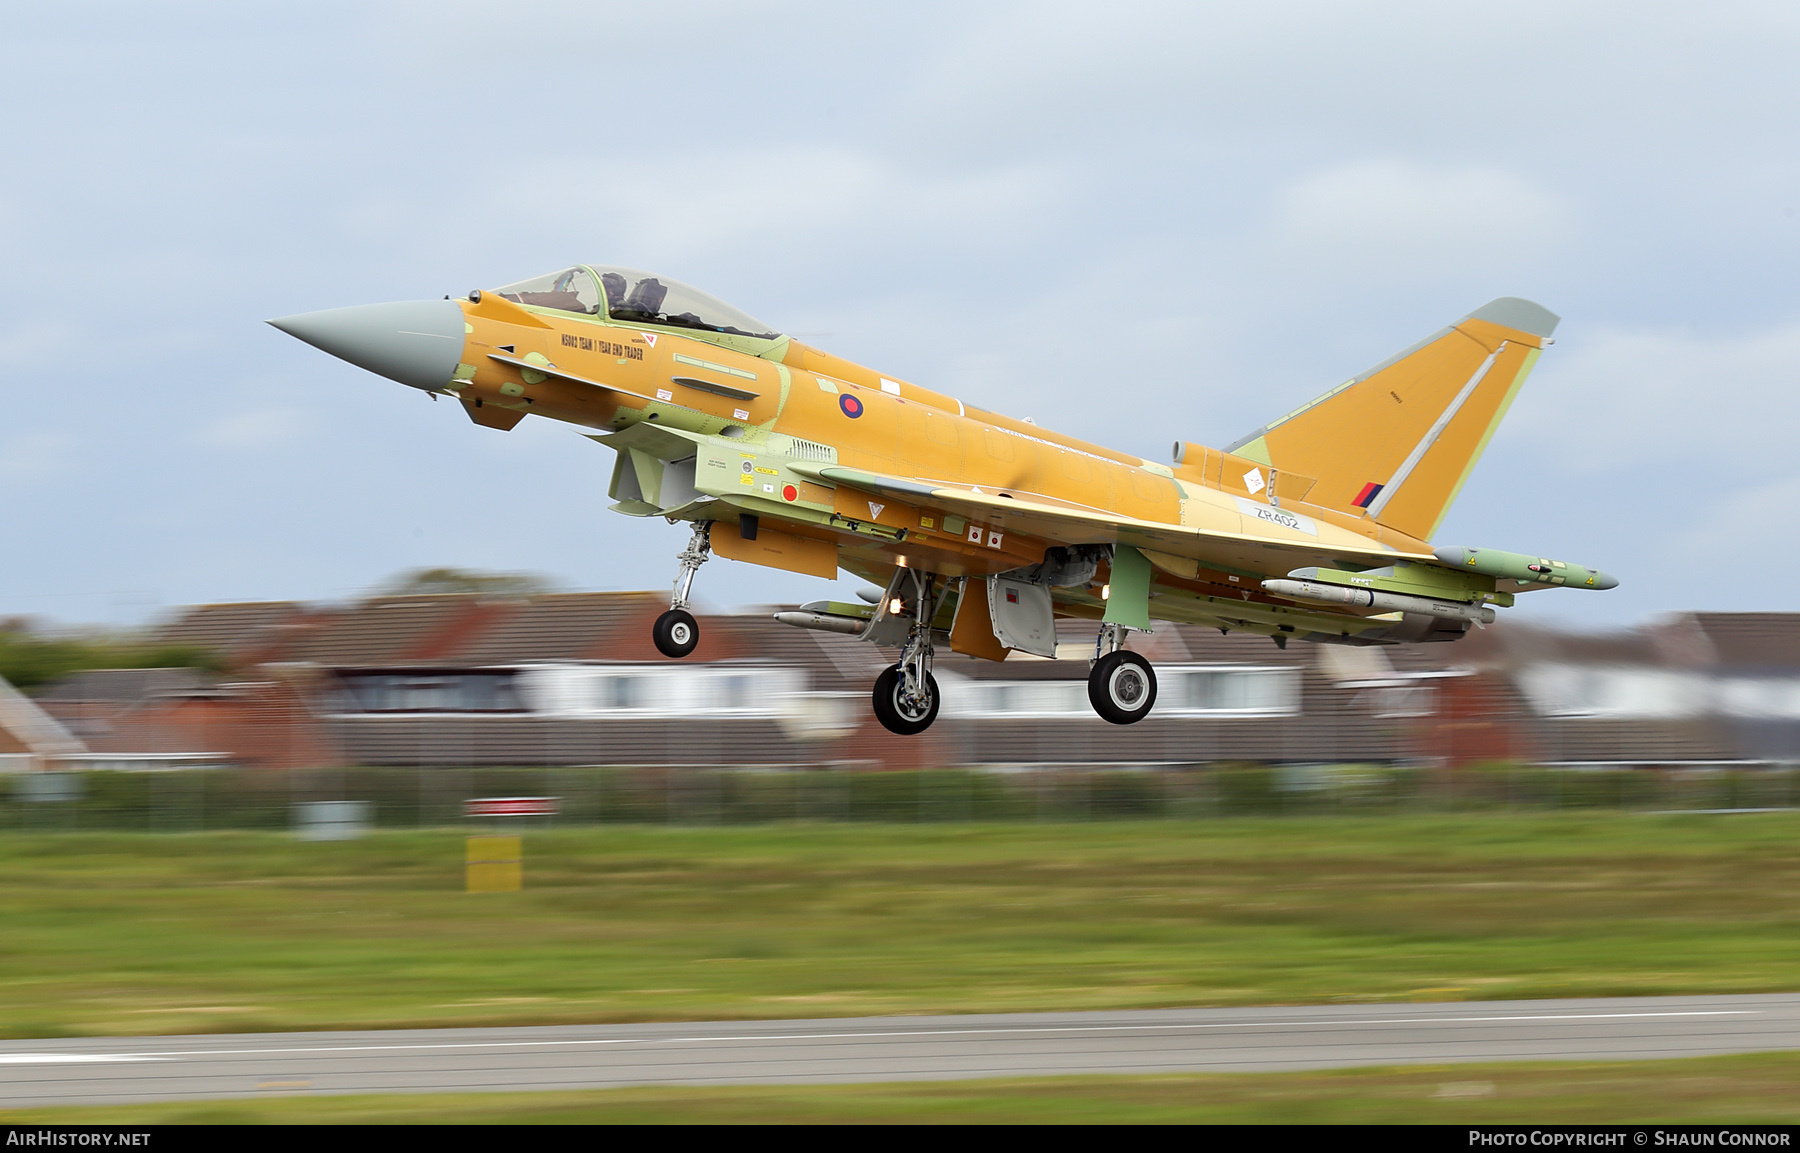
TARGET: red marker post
(512,806)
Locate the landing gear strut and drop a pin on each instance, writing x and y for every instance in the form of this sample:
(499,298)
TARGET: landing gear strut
(676,631)
(1121,684)
(906,695)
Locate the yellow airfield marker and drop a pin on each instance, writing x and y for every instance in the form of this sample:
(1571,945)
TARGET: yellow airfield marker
(495,864)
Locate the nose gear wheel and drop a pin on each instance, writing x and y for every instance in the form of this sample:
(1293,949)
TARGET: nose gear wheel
(676,633)
(907,714)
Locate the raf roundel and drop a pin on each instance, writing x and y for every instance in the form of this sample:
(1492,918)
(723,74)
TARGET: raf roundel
(852,407)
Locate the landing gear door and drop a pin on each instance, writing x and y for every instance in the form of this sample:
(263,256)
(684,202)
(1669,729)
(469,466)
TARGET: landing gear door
(1022,615)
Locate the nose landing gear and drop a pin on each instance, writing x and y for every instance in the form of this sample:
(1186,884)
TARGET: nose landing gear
(906,696)
(677,632)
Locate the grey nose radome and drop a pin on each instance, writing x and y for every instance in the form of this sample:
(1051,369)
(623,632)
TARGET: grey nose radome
(416,342)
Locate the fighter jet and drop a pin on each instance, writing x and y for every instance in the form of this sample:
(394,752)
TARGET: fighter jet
(981,529)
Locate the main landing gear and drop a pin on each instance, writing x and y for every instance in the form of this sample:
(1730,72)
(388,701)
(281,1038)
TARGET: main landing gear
(1121,684)
(677,632)
(906,696)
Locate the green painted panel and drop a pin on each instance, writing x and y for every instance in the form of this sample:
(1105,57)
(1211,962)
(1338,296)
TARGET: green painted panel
(1128,600)
(1258,451)
(649,474)
(787,386)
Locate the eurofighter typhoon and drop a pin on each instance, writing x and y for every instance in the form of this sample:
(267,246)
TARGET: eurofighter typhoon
(980,528)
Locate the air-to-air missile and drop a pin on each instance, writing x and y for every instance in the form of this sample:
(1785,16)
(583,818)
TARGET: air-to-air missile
(1379,601)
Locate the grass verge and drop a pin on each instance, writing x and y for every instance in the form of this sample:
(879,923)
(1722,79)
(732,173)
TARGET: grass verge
(113,934)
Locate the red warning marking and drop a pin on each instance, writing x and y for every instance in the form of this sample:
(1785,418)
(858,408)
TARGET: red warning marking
(511,806)
(790,493)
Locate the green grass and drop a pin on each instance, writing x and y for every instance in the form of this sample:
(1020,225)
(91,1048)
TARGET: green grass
(1761,1088)
(138,934)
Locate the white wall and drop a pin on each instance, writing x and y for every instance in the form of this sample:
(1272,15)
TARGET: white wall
(723,689)
(1181,691)
(1626,691)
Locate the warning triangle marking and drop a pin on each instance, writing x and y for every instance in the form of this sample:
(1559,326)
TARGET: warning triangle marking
(875,509)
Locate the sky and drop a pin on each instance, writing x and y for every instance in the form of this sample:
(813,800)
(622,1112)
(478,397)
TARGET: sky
(1134,223)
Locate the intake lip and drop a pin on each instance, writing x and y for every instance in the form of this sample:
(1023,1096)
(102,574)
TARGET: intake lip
(416,342)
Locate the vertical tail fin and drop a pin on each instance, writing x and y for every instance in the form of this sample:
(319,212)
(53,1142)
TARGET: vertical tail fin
(1397,442)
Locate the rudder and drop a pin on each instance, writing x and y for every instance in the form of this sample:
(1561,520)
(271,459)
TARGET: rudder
(1397,442)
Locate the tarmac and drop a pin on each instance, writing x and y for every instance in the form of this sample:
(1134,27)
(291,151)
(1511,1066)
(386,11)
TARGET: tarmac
(125,1069)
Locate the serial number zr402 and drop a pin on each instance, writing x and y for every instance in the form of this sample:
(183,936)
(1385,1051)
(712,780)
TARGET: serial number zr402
(603,347)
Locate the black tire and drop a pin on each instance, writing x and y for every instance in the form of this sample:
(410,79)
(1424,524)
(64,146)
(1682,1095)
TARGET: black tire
(895,717)
(1122,687)
(676,633)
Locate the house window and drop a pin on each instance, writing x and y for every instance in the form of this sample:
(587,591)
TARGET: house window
(734,691)
(1243,691)
(432,693)
(618,691)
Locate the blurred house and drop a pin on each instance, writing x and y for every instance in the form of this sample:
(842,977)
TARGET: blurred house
(573,679)
(132,719)
(1690,690)
(31,738)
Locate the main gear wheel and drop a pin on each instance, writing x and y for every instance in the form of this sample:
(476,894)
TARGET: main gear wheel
(1122,687)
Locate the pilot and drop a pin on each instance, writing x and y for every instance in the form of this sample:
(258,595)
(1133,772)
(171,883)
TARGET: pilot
(614,284)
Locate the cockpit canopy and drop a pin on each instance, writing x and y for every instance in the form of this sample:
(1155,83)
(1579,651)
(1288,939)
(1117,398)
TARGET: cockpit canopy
(635,297)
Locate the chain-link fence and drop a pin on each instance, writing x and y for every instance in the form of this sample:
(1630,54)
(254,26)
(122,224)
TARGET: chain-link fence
(192,800)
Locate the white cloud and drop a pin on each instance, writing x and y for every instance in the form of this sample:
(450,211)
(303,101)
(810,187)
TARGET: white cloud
(1396,219)
(1716,405)
(37,338)
(1758,514)
(773,231)
(253,430)
(37,456)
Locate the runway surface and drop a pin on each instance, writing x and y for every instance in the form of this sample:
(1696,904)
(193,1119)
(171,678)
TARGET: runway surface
(889,1048)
